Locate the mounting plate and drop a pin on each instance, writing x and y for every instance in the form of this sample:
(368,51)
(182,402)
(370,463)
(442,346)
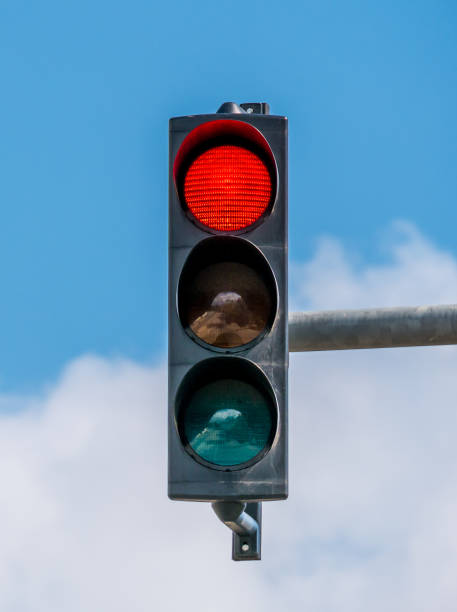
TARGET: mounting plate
(248,547)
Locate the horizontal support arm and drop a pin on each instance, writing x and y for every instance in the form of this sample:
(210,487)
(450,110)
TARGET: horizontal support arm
(334,330)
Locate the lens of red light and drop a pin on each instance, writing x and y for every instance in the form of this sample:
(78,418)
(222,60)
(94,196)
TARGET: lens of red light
(227,187)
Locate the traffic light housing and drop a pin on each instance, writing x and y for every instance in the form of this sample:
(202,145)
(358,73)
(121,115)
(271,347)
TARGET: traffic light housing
(228,350)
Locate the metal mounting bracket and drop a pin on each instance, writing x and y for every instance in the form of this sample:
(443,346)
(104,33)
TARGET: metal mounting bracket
(245,520)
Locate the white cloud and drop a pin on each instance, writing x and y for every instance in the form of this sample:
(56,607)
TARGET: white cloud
(415,273)
(371,520)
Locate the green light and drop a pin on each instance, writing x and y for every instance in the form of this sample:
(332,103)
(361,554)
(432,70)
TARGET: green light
(227,422)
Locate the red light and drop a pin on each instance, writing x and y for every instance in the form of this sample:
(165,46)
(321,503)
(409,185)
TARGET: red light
(227,188)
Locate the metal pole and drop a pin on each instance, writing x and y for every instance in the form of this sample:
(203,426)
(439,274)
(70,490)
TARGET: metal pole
(334,330)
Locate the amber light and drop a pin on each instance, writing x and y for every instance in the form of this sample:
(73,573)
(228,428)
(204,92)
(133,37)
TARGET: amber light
(227,188)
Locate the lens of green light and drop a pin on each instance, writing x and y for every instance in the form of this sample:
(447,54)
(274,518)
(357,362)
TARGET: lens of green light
(227,422)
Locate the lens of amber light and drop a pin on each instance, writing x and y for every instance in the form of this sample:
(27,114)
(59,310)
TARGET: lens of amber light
(227,293)
(227,188)
(229,305)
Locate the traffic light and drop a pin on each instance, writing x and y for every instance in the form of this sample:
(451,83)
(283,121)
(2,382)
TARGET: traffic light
(228,350)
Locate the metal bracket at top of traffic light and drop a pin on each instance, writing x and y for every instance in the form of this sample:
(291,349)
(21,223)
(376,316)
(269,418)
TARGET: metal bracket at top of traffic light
(228,343)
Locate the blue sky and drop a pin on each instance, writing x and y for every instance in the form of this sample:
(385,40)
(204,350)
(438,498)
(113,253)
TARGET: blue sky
(370,90)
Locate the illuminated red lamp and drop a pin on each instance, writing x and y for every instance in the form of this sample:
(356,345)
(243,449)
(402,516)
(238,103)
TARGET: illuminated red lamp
(225,174)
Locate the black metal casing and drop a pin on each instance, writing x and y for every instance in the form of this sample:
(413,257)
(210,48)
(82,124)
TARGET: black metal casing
(266,479)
